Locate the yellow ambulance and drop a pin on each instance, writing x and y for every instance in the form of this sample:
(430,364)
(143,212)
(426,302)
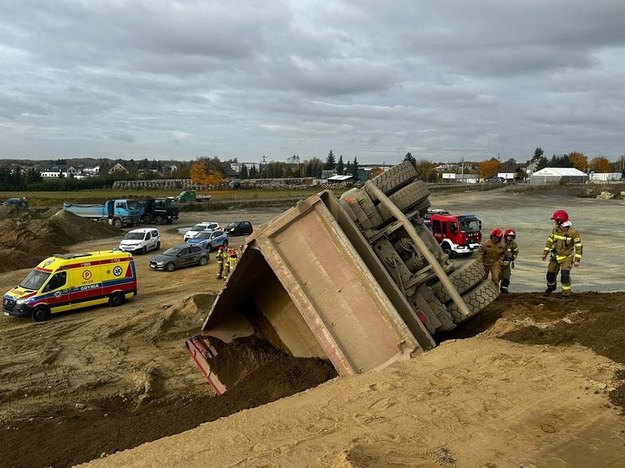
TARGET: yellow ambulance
(72,281)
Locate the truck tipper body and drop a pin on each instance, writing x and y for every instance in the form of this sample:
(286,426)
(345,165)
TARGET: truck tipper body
(191,196)
(119,213)
(359,281)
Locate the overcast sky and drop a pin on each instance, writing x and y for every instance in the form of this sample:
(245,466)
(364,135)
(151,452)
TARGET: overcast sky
(444,80)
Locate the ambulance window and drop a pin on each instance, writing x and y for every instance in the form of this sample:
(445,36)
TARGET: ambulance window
(56,281)
(34,280)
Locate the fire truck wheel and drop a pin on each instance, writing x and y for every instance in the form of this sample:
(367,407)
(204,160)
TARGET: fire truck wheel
(406,198)
(464,278)
(394,178)
(476,299)
(41,314)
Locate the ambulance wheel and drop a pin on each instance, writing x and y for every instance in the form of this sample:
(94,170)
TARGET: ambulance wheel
(41,314)
(203,260)
(170,266)
(116,299)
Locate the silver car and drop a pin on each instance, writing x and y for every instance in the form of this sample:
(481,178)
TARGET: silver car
(179,256)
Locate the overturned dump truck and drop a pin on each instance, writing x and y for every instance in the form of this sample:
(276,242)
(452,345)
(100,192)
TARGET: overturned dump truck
(358,281)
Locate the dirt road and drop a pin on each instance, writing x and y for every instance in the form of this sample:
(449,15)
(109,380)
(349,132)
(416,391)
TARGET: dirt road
(531,381)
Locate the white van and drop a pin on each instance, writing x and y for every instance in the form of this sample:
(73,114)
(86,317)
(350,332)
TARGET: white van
(141,241)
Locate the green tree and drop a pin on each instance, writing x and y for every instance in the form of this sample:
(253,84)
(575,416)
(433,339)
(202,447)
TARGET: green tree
(410,157)
(354,167)
(330,161)
(340,167)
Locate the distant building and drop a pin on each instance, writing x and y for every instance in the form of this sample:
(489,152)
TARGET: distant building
(452,177)
(604,176)
(554,175)
(118,169)
(59,171)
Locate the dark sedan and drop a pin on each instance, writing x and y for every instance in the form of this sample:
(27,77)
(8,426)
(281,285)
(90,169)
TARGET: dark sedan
(239,228)
(179,256)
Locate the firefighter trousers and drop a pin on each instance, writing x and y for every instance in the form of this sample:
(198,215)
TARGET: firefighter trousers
(564,268)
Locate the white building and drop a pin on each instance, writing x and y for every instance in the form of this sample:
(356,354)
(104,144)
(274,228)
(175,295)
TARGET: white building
(555,175)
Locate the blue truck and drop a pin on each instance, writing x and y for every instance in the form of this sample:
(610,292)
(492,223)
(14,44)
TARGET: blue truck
(119,213)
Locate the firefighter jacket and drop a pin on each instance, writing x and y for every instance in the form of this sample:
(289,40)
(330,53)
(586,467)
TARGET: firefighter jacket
(220,257)
(491,252)
(512,251)
(564,243)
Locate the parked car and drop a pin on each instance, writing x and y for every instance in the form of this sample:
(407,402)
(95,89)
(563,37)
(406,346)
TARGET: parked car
(180,256)
(19,203)
(239,228)
(141,241)
(200,227)
(210,240)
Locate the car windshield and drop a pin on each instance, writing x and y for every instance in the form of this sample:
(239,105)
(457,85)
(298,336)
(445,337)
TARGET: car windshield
(172,251)
(204,235)
(197,227)
(134,236)
(35,280)
(469,225)
(231,225)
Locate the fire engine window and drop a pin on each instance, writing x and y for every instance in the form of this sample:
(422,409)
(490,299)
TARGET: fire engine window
(453,228)
(56,281)
(436,226)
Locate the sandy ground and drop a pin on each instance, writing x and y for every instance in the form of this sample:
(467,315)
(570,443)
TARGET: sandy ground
(531,382)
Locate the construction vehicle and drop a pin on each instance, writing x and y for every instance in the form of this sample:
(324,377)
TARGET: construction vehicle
(191,196)
(359,281)
(159,210)
(456,234)
(119,213)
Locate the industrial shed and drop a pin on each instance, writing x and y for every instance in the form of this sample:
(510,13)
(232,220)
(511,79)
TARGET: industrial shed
(555,175)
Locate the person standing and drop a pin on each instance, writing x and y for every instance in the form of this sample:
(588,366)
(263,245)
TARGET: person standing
(564,247)
(490,254)
(220,257)
(507,263)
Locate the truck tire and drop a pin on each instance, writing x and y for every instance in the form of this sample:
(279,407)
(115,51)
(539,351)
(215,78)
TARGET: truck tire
(422,208)
(116,299)
(41,314)
(447,249)
(406,198)
(476,299)
(158,219)
(394,178)
(463,279)
(117,223)
(169,221)
(364,209)
(147,218)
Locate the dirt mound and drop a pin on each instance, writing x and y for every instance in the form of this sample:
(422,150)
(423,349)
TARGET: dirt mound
(21,248)
(65,228)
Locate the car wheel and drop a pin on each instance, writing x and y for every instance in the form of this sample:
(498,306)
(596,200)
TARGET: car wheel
(203,260)
(41,314)
(144,250)
(170,266)
(158,245)
(116,300)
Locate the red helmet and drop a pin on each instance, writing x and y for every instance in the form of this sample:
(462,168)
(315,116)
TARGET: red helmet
(510,232)
(560,216)
(222,248)
(496,233)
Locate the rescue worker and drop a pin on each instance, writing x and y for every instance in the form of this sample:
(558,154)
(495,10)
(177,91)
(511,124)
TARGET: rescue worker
(220,257)
(231,262)
(490,254)
(507,263)
(564,248)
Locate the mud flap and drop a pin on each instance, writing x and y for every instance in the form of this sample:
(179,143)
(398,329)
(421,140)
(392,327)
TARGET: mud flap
(202,352)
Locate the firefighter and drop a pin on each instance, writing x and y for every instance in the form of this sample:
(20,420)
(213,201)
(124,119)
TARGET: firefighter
(490,254)
(230,262)
(507,263)
(564,248)
(220,257)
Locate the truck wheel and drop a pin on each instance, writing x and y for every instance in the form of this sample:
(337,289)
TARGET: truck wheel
(394,178)
(463,279)
(364,209)
(158,219)
(147,218)
(422,207)
(170,266)
(447,249)
(203,260)
(476,299)
(117,223)
(406,198)
(41,313)
(169,221)
(116,299)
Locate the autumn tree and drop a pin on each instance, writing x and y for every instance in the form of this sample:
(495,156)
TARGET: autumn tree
(426,170)
(578,160)
(599,164)
(489,168)
(206,171)
(375,171)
